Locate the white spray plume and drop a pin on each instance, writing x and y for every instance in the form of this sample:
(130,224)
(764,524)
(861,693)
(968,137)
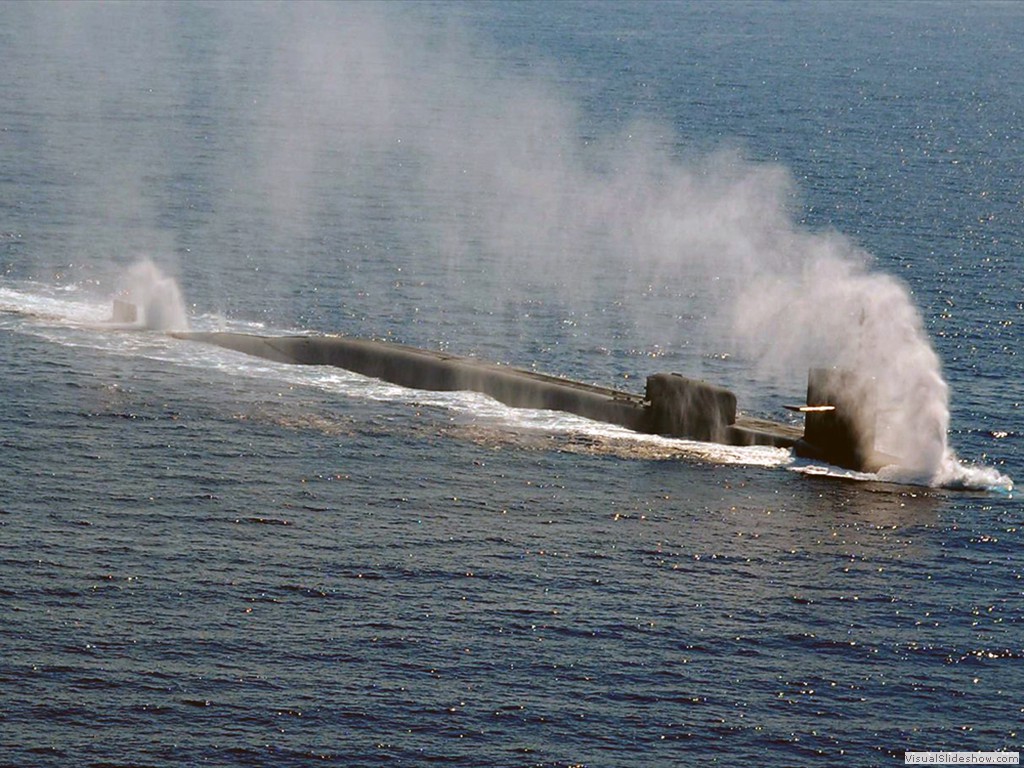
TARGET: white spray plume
(511,194)
(156,297)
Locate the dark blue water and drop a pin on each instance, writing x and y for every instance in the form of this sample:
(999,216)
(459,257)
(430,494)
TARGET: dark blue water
(206,559)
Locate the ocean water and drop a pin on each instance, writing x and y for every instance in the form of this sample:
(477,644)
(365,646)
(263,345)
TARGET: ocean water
(213,559)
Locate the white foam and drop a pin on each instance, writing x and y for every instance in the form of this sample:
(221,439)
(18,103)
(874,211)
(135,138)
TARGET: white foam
(953,475)
(62,305)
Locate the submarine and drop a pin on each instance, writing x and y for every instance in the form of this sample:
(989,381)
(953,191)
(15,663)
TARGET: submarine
(838,416)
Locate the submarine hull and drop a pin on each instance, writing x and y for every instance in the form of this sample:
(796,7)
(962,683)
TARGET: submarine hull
(673,405)
(437,371)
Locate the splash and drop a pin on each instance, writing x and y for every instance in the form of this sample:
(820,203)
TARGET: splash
(956,474)
(834,308)
(156,297)
(953,475)
(831,309)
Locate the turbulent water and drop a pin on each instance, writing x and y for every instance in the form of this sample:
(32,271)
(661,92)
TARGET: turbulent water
(209,558)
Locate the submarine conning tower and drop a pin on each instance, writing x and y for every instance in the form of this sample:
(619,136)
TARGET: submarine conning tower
(840,419)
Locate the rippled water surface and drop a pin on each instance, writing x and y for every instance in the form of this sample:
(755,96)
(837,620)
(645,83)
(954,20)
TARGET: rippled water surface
(213,559)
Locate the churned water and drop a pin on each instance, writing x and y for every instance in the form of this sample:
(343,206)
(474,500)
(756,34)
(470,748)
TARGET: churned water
(213,559)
